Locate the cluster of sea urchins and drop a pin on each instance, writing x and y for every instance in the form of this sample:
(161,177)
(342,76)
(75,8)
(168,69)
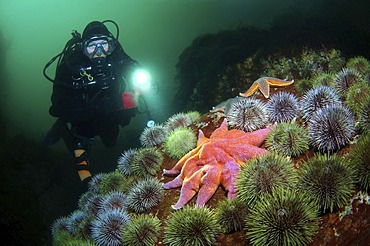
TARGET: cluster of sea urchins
(275,204)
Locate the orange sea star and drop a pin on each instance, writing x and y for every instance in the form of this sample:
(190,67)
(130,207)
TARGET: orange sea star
(263,84)
(215,160)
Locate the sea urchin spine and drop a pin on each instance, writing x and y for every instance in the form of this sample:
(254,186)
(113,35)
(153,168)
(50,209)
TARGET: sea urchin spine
(143,230)
(282,218)
(328,180)
(282,107)
(331,128)
(263,175)
(288,139)
(107,228)
(191,226)
(145,194)
(247,114)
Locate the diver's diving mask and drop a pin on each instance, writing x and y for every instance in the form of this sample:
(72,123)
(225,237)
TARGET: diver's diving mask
(98,46)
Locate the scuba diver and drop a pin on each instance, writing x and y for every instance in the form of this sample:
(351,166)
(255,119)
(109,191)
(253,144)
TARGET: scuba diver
(89,96)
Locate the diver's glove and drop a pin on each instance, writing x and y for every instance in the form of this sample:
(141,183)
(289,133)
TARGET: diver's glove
(57,131)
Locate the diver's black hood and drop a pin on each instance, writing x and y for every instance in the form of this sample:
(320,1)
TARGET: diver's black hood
(95,28)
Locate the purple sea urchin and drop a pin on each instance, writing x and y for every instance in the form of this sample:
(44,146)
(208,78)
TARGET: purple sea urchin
(95,182)
(282,218)
(331,128)
(124,161)
(288,139)
(317,98)
(282,107)
(177,120)
(263,175)
(247,114)
(144,195)
(231,214)
(144,229)
(108,227)
(344,79)
(328,180)
(60,224)
(191,226)
(179,142)
(114,199)
(74,219)
(146,161)
(90,203)
(359,157)
(152,136)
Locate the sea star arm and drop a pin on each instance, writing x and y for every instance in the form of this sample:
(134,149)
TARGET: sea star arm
(263,84)
(278,82)
(229,173)
(190,167)
(241,153)
(251,89)
(256,138)
(191,156)
(189,188)
(209,183)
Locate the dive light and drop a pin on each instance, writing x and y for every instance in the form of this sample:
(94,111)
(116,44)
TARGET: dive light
(142,83)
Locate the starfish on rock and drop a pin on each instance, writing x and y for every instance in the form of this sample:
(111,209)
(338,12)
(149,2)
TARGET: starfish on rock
(263,84)
(215,160)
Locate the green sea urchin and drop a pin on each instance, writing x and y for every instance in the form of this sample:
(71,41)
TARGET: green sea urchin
(107,228)
(331,128)
(344,79)
(288,139)
(153,136)
(193,115)
(359,157)
(124,161)
(364,117)
(247,114)
(114,181)
(147,161)
(144,195)
(357,95)
(263,175)
(282,107)
(328,180)
(282,218)
(360,64)
(303,85)
(144,230)
(326,79)
(179,142)
(317,98)
(231,214)
(191,226)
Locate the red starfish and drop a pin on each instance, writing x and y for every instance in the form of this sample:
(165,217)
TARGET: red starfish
(215,160)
